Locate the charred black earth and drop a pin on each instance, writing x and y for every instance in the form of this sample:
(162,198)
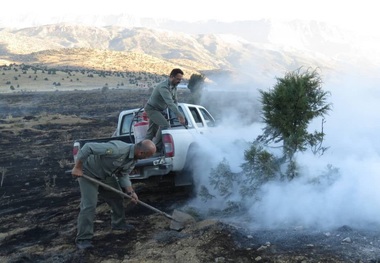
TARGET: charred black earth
(39,203)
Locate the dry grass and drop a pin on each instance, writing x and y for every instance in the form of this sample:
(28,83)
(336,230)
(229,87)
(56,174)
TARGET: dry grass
(107,60)
(13,79)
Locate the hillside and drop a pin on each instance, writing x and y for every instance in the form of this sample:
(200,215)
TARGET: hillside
(152,50)
(108,48)
(26,78)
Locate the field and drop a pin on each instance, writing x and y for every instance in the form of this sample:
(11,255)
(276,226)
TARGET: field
(39,203)
(26,78)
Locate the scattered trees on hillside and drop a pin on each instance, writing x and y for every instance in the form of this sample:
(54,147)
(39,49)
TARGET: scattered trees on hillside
(40,72)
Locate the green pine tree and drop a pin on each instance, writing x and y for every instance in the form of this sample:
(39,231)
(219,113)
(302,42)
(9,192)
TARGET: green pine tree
(289,108)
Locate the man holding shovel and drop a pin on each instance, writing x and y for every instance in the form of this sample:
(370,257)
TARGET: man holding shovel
(110,163)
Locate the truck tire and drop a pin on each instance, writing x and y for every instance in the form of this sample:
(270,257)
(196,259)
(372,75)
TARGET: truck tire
(186,176)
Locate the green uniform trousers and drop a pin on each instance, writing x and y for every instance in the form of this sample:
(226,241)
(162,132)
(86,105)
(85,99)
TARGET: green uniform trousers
(157,122)
(89,199)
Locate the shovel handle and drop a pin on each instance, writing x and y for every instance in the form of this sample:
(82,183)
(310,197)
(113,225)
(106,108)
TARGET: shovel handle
(124,194)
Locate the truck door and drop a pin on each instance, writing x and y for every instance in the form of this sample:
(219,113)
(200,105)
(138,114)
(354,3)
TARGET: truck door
(208,119)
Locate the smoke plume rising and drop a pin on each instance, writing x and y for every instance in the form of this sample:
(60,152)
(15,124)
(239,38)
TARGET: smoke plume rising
(352,135)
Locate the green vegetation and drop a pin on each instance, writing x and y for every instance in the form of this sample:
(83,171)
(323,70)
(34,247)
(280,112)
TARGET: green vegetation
(287,111)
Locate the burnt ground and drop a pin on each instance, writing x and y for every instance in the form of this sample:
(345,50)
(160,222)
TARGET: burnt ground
(39,203)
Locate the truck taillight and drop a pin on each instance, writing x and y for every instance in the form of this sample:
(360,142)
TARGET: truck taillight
(167,139)
(75,151)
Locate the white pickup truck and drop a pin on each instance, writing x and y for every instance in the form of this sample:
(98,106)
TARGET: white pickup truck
(180,142)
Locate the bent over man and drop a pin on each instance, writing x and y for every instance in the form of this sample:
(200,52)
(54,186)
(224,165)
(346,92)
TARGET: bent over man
(110,163)
(163,96)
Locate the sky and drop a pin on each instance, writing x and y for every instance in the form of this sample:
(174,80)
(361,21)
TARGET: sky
(355,14)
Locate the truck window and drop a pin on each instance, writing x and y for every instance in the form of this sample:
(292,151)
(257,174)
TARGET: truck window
(196,116)
(126,124)
(207,117)
(173,118)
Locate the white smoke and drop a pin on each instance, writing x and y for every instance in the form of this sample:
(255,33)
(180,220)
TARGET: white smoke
(352,135)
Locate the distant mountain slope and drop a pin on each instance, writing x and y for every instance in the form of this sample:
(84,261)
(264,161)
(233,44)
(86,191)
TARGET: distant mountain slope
(258,50)
(109,61)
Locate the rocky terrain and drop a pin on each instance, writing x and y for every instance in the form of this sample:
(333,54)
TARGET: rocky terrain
(39,202)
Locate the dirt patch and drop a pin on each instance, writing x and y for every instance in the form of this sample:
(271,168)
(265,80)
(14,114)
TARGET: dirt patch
(39,203)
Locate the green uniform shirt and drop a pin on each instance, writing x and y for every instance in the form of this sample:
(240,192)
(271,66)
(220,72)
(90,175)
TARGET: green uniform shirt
(165,96)
(103,159)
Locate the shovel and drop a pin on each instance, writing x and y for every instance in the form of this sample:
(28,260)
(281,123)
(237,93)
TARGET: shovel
(178,219)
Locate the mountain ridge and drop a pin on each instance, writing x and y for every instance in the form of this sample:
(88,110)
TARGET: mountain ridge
(278,47)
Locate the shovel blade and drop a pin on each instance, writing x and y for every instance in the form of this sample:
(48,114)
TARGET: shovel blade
(180,220)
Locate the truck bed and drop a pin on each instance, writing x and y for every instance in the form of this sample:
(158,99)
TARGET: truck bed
(124,138)
(153,161)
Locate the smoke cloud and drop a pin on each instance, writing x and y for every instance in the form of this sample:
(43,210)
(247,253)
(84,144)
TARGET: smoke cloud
(352,135)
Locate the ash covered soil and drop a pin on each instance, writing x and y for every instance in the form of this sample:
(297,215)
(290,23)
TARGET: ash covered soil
(39,203)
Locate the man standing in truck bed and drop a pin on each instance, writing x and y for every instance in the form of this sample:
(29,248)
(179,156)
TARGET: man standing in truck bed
(163,96)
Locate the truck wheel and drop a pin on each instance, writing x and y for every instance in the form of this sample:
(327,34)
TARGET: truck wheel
(185,177)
